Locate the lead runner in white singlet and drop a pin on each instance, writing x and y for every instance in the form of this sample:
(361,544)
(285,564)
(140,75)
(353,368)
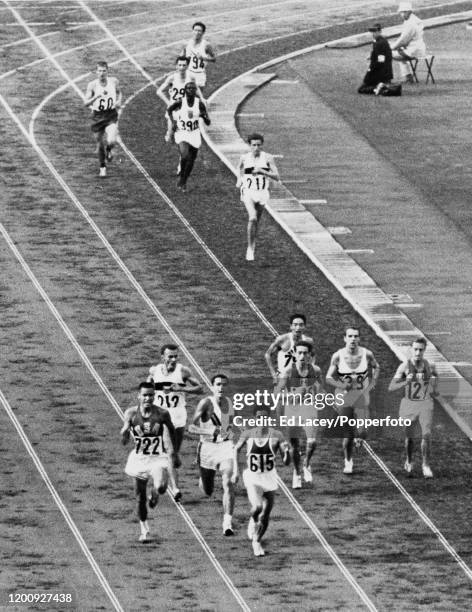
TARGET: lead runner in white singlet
(255,171)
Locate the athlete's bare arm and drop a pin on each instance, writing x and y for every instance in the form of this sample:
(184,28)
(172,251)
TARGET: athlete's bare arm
(204,112)
(119,94)
(163,88)
(374,368)
(201,411)
(191,384)
(283,446)
(238,446)
(318,386)
(210,55)
(171,429)
(90,96)
(126,429)
(239,180)
(273,349)
(400,378)
(273,173)
(433,381)
(170,109)
(332,376)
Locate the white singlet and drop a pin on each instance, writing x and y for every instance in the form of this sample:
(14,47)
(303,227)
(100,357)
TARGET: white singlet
(107,93)
(216,446)
(174,401)
(188,123)
(260,472)
(197,63)
(177,87)
(255,186)
(358,377)
(286,357)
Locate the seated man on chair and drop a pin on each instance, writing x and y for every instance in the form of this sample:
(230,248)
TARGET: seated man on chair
(410,43)
(380,67)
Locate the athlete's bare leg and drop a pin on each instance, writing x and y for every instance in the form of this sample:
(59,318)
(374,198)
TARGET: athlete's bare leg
(173,478)
(207,479)
(101,147)
(295,454)
(348,444)
(263,522)
(310,449)
(111,137)
(141,488)
(253,226)
(188,155)
(426,448)
(228,487)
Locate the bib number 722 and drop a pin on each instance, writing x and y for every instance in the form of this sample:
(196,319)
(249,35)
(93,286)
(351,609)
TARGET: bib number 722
(147,445)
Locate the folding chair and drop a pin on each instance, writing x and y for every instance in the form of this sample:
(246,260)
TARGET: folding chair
(428,60)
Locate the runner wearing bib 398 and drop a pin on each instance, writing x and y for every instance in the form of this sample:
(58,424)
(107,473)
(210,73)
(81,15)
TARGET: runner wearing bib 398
(185,115)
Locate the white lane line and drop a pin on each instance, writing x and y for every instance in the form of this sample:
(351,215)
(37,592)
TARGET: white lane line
(419,511)
(88,364)
(41,45)
(60,504)
(122,265)
(325,544)
(271,327)
(240,290)
(166,26)
(46,23)
(342,289)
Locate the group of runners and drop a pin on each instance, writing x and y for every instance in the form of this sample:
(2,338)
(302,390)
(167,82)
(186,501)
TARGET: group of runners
(158,422)
(183,94)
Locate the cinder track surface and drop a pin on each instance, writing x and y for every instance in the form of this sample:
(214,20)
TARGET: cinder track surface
(72,422)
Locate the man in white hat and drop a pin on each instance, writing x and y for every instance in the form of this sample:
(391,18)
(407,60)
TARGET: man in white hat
(410,43)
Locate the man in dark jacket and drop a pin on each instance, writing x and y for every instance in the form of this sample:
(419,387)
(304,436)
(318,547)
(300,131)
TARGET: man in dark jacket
(380,68)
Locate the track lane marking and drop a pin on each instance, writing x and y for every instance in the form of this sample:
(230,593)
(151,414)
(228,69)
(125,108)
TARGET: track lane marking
(448,547)
(88,364)
(316,532)
(58,501)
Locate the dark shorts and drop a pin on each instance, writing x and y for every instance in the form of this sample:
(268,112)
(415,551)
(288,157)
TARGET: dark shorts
(101,119)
